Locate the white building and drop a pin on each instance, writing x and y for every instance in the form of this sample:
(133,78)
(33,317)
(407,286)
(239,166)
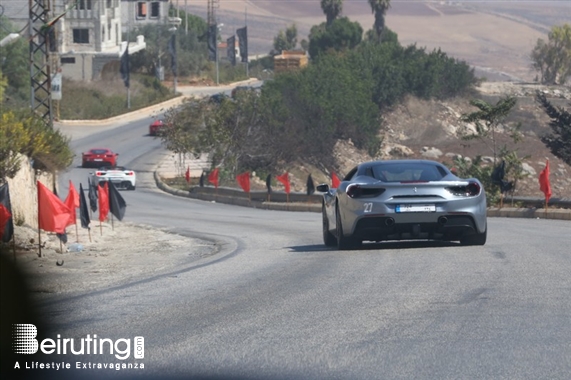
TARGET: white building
(88,36)
(135,13)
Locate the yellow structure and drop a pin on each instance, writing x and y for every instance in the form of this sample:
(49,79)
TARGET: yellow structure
(289,60)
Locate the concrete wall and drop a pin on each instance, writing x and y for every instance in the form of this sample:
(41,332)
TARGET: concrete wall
(23,194)
(82,69)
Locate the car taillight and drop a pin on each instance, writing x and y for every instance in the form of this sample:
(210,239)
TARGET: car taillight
(108,155)
(129,173)
(99,173)
(470,190)
(356,191)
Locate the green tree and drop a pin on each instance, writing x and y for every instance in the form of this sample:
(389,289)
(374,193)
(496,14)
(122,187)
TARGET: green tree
(332,9)
(553,58)
(387,36)
(29,135)
(191,48)
(379,8)
(559,141)
(341,35)
(286,40)
(488,120)
(14,64)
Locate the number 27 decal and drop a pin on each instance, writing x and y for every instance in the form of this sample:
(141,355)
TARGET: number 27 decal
(368,207)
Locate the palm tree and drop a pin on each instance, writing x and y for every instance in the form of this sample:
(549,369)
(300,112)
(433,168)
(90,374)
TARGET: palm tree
(379,8)
(332,9)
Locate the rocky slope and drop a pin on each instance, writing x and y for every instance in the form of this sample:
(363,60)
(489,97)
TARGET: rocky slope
(433,130)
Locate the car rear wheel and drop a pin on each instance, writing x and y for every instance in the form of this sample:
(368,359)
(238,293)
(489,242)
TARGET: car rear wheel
(328,237)
(476,239)
(343,242)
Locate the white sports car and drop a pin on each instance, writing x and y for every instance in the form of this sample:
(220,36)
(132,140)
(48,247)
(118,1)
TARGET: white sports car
(122,178)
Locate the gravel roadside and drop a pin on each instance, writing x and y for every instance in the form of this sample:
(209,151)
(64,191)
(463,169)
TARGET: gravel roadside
(116,255)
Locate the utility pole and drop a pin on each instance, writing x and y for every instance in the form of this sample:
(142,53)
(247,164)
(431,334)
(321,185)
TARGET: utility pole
(211,20)
(40,75)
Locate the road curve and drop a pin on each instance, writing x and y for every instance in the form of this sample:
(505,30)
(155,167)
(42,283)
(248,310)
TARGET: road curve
(277,304)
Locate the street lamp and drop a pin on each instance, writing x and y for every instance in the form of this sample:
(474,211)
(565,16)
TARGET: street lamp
(219,27)
(174,56)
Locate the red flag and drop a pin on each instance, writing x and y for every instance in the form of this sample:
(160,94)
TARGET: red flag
(284,178)
(244,181)
(213,177)
(6,222)
(53,214)
(72,202)
(544,184)
(187,175)
(4,218)
(334,181)
(103,193)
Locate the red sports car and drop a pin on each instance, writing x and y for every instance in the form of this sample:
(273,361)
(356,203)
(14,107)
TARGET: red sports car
(155,127)
(99,157)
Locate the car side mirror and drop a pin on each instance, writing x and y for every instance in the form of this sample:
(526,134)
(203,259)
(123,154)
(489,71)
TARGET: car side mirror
(323,188)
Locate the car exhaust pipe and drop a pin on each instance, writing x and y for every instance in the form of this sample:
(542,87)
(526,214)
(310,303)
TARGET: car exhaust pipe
(442,220)
(389,222)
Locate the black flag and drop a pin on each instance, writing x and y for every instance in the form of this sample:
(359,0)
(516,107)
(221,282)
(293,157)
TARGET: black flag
(117,204)
(269,183)
(83,210)
(6,219)
(499,173)
(498,178)
(62,237)
(212,38)
(243,42)
(231,50)
(124,70)
(310,185)
(172,51)
(92,197)
(201,181)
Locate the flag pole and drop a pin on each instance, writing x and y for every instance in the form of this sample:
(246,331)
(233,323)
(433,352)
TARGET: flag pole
(60,246)
(247,63)
(76,232)
(112,223)
(501,200)
(89,233)
(39,233)
(100,228)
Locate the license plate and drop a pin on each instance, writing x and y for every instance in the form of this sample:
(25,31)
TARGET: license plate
(415,208)
(98,159)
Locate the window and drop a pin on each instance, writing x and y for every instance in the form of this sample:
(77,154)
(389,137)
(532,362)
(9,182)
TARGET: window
(81,36)
(67,60)
(109,4)
(155,9)
(141,9)
(84,4)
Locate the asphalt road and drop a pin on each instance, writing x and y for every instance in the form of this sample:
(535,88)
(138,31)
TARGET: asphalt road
(275,303)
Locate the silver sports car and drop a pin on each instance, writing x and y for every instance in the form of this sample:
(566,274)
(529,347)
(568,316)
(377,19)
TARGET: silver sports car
(401,200)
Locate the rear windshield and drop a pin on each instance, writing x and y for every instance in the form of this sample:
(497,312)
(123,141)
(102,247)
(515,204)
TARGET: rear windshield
(98,151)
(399,172)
